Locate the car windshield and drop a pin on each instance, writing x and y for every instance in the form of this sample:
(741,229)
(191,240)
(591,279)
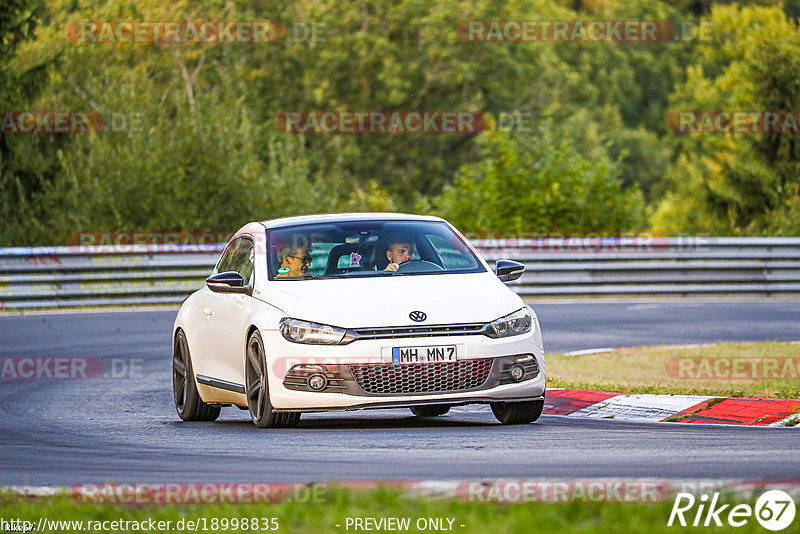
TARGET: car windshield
(368,248)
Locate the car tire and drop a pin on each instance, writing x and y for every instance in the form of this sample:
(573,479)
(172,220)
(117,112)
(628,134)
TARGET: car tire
(429,411)
(188,404)
(257,389)
(517,413)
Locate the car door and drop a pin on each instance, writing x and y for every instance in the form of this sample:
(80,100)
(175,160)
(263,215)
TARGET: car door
(227,316)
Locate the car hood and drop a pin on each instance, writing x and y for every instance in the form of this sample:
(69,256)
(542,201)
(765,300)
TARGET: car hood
(387,301)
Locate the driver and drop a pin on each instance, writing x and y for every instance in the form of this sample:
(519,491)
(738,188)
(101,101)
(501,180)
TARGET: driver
(400,250)
(294,261)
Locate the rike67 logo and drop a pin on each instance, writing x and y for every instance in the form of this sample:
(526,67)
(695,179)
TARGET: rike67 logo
(774,510)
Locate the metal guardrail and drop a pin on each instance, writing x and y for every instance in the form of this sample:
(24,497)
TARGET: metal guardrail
(54,277)
(654,267)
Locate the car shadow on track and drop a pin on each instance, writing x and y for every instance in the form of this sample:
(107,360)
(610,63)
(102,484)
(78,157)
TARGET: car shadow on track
(388,422)
(338,421)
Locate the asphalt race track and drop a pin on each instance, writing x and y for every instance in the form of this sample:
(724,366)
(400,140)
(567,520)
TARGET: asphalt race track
(62,432)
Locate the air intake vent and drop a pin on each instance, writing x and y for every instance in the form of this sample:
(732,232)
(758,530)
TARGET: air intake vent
(385,378)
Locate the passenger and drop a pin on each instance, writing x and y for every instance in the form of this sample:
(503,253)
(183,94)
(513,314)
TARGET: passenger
(293,260)
(400,250)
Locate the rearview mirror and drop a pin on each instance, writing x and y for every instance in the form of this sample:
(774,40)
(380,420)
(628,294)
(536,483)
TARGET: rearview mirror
(507,270)
(228,282)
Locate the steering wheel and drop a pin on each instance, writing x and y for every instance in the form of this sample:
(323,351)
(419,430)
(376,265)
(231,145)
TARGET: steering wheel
(418,266)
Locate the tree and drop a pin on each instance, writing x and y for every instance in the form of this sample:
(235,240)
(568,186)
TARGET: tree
(26,164)
(538,184)
(183,145)
(738,183)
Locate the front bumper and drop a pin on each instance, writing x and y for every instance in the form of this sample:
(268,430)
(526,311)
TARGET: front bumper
(282,355)
(407,404)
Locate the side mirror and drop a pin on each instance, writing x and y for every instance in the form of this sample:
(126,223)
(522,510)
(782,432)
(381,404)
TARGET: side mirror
(228,282)
(507,270)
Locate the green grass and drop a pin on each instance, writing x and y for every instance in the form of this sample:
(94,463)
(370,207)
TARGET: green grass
(653,370)
(321,517)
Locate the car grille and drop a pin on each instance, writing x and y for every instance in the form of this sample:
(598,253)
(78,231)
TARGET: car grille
(386,378)
(388,332)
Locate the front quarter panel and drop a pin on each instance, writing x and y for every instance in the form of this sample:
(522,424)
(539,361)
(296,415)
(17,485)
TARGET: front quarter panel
(189,319)
(190,315)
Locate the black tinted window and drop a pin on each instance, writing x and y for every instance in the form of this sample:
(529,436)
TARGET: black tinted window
(367,248)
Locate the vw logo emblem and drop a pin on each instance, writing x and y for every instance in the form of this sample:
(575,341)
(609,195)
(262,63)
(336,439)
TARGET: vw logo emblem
(417,316)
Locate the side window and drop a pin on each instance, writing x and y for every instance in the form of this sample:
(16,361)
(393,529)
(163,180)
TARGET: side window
(239,257)
(246,263)
(223,265)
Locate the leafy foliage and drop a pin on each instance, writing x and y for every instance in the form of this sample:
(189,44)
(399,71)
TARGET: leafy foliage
(540,184)
(738,183)
(592,149)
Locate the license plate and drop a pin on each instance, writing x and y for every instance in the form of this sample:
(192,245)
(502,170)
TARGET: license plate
(427,354)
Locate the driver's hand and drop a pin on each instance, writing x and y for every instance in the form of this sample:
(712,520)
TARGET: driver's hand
(392,267)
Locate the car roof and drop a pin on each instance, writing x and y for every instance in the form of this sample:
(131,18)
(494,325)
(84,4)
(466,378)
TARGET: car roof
(337,217)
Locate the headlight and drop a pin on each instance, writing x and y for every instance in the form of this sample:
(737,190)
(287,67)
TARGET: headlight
(298,331)
(513,324)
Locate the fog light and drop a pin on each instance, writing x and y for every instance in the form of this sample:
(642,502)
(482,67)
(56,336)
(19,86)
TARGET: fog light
(517,372)
(317,382)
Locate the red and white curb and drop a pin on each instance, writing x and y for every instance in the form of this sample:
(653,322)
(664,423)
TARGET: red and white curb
(673,408)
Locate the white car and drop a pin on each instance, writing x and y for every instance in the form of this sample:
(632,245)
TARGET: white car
(355,311)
